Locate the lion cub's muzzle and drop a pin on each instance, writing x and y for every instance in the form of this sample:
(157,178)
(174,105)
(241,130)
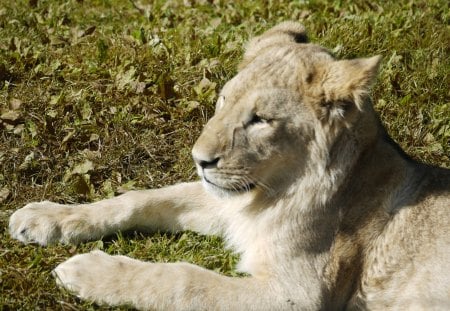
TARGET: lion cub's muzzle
(221,178)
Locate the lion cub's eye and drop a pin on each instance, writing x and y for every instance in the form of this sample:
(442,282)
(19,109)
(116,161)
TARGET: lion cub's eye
(256,119)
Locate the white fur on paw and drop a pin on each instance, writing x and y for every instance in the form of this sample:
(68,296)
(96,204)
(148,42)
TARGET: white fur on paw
(38,223)
(78,274)
(95,276)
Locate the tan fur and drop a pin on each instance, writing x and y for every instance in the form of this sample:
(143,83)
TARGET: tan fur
(300,178)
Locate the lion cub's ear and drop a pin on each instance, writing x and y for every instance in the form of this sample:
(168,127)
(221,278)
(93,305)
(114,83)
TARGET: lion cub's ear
(346,84)
(280,34)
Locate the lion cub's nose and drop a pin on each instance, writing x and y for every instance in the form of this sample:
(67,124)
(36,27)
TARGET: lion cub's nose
(204,164)
(206,150)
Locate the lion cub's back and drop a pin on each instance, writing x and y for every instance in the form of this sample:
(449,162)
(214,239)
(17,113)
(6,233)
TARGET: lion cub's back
(409,263)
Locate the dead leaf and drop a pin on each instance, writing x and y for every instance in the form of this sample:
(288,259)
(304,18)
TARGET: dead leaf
(18,129)
(27,162)
(52,113)
(83,168)
(32,128)
(107,189)
(206,89)
(429,138)
(15,104)
(68,136)
(125,78)
(192,105)
(130,185)
(139,87)
(4,194)
(10,116)
(205,84)
(215,22)
(94,137)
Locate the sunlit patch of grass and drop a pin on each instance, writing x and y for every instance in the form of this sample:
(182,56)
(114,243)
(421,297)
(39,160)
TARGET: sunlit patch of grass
(97,97)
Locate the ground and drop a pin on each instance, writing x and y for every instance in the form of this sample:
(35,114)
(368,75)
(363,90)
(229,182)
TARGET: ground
(99,97)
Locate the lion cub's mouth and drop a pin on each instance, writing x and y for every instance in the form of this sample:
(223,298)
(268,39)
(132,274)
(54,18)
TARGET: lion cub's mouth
(232,188)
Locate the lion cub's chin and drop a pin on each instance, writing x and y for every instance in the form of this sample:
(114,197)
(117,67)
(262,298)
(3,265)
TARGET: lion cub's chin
(223,192)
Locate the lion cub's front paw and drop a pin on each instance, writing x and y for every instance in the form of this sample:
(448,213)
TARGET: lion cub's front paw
(97,276)
(40,223)
(80,273)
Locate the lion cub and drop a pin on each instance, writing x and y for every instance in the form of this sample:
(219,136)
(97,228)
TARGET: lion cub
(299,177)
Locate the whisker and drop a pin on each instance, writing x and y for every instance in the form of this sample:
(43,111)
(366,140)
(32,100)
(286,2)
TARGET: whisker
(241,181)
(248,182)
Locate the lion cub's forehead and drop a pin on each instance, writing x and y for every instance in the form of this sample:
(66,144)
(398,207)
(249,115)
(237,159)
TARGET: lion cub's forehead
(284,67)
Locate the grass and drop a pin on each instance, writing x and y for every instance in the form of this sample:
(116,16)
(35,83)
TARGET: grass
(98,97)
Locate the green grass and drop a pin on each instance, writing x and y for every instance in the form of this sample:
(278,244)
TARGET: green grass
(97,97)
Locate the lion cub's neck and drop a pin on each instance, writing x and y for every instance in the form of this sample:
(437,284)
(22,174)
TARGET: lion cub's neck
(315,208)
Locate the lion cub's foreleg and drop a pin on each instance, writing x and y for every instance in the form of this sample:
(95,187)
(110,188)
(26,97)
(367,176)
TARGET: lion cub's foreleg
(179,207)
(118,280)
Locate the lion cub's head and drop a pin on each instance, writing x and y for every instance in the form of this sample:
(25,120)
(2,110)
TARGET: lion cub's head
(284,114)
